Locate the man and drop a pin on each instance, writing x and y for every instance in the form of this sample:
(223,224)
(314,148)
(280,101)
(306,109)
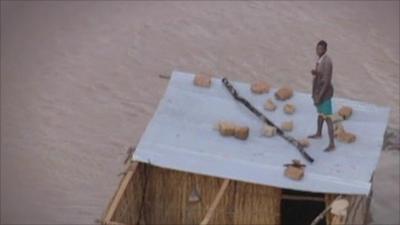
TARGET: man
(322,93)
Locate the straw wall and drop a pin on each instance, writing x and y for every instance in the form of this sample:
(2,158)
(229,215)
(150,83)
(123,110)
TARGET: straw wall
(166,200)
(129,206)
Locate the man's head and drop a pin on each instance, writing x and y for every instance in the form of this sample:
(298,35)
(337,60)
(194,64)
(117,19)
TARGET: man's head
(322,47)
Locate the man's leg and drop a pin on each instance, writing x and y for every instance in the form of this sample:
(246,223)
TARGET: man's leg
(320,122)
(331,145)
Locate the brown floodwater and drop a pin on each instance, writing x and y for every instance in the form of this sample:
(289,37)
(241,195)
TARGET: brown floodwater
(79,83)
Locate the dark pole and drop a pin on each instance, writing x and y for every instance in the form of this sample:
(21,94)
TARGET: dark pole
(280,132)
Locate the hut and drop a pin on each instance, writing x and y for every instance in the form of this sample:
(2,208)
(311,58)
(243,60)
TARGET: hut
(184,172)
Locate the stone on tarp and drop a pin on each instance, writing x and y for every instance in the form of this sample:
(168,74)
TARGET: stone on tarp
(287,126)
(202,80)
(295,170)
(269,105)
(269,131)
(289,108)
(241,132)
(260,87)
(231,129)
(342,135)
(304,142)
(345,112)
(346,137)
(284,93)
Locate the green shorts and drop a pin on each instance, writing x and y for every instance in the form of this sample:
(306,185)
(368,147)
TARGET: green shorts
(325,108)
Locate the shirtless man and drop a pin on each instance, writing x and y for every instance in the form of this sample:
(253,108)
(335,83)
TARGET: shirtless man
(322,92)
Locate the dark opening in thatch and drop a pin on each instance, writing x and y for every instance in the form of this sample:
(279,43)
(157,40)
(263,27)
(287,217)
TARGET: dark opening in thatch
(301,207)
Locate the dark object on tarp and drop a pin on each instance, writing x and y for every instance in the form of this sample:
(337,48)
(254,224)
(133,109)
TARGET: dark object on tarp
(280,132)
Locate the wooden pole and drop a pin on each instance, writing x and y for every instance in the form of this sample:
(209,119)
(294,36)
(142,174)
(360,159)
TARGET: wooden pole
(326,210)
(163,76)
(302,198)
(338,220)
(214,204)
(121,189)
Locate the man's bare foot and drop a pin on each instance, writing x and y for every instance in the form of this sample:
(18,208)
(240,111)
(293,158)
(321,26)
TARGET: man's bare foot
(315,136)
(330,148)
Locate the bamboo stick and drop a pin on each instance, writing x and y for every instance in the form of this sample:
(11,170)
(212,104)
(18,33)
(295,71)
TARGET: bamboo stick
(326,210)
(121,189)
(338,220)
(163,76)
(214,204)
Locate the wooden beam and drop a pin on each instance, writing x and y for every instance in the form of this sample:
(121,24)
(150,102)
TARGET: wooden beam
(129,154)
(303,198)
(326,210)
(368,205)
(214,204)
(120,191)
(163,76)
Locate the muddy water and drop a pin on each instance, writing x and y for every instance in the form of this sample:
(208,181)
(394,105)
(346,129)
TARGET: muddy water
(79,83)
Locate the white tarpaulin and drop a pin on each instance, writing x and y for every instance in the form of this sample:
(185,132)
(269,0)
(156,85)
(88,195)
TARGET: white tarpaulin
(181,136)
